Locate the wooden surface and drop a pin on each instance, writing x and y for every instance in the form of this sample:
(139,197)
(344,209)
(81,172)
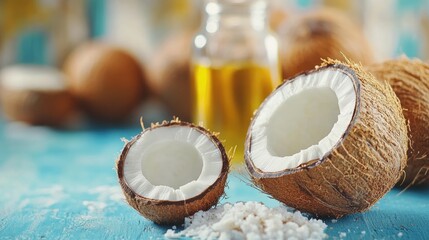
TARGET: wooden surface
(62,185)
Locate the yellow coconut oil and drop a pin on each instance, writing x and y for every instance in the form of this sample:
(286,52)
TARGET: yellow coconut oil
(226,96)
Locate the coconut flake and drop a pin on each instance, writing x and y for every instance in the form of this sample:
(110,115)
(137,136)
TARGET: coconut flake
(250,220)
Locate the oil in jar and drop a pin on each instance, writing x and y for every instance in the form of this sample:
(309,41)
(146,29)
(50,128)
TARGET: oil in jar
(225,98)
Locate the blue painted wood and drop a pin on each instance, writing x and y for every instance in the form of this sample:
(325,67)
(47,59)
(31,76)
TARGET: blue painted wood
(62,185)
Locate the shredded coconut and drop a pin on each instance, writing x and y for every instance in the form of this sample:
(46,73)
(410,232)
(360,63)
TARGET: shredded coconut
(250,220)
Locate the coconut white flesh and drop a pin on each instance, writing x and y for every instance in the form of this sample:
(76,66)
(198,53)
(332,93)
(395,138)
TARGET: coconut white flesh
(303,120)
(172,163)
(30,77)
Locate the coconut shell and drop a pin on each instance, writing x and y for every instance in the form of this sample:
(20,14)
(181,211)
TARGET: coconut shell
(108,82)
(38,107)
(360,169)
(170,76)
(323,33)
(410,81)
(174,212)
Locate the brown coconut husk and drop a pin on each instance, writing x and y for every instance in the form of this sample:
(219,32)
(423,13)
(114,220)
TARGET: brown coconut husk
(410,81)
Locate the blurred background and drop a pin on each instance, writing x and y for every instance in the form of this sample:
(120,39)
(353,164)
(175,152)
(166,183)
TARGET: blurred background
(157,35)
(45,31)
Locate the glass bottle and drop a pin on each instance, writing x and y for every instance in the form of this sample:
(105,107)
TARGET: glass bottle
(234,67)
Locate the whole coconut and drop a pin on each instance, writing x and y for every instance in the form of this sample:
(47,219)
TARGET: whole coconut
(410,81)
(323,33)
(170,76)
(108,82)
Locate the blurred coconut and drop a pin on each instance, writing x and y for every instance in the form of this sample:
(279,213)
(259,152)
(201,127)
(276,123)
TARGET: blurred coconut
(36,95)
(108,82)
(321,33)
(169,74)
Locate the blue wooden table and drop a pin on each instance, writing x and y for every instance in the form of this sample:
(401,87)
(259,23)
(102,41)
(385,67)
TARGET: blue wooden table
(62,185)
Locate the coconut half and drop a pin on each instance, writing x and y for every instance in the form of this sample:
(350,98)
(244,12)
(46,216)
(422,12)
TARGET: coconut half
(36,95)
(329,142)
(410,81)
(171,171)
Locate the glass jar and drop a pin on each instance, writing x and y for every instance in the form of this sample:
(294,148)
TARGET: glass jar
(234,67)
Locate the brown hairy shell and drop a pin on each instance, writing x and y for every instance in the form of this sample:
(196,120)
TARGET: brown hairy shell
(38,107)
(174,212)
(108,82)
(322,33)
(360,169)
(410,81)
